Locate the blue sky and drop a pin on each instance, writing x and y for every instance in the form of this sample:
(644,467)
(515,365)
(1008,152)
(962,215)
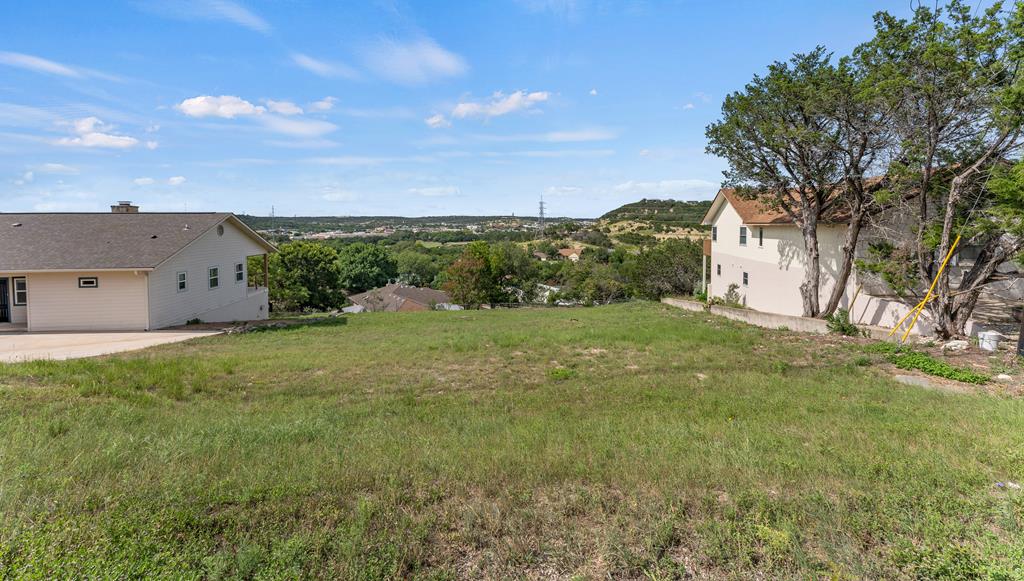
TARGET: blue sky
(369,108)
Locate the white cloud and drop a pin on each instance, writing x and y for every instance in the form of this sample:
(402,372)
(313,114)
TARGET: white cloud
(176,180)
(562,190)
(645,152)
(151,145)
(437,121)
(297,127)
(91,132)
(499,104)
(40,65)
(283,107)
(325,104)
(55,168)
(329,70)
(593,92)
(223,10)
(689,106)
(435,191)
(224,106)
(414,62)
(579,135)
(26,178)
(685,188)
(143,181)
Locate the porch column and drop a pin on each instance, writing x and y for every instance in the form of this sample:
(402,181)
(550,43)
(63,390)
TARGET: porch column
(266,270)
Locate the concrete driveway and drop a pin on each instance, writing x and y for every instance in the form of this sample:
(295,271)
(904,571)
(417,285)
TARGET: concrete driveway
(22,346)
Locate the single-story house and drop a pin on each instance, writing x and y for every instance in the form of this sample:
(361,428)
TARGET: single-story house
(572,254)
(399,297)
(759,249)
(128,270)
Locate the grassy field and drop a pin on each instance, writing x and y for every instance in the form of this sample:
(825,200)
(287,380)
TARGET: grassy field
(629,441)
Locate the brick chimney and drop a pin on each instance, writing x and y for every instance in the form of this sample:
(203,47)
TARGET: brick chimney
(124,207)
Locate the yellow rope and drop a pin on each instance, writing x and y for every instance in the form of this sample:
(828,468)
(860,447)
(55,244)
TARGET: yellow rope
(927,297)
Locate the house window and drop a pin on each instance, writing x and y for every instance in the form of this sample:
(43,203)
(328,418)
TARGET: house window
(746,279)
(239,272)
(88,282)
(20,292)
(760,237)
(743,235)
(719,270)
(213,274)
(714,233)
(182,282)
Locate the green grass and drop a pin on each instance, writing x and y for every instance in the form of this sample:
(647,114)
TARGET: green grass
(626,441)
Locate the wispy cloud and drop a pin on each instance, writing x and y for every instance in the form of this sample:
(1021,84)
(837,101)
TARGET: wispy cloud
(325,104)
(562,190)
(55,168)
(176,180)
(215,10)
(437,121)
(297,127)
(329,70)
(681,188)
(415,62)
(579,135)
(40,65)
(499,104)
(283,107)
(143,181)
(91,132)
(569,9)
(435,191)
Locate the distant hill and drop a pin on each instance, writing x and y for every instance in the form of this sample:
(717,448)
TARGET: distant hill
(666,211)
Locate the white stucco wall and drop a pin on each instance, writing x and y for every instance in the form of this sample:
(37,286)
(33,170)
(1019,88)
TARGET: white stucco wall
(776,268)
(169,307)
(56,303)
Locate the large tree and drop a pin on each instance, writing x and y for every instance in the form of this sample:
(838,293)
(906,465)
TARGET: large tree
(952,78)
(802,139)
(362,267)
(304,275)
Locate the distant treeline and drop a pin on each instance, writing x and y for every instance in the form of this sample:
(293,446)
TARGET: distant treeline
(683,213)
(357,223)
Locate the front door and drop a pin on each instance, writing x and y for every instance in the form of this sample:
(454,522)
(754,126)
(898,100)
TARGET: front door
(5,301)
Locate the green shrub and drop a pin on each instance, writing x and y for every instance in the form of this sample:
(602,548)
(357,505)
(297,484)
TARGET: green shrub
(839,323)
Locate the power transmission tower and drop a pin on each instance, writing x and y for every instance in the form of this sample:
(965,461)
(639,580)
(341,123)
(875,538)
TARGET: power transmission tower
(540,220)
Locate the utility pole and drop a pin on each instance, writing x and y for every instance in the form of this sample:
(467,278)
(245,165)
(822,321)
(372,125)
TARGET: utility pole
(540,220)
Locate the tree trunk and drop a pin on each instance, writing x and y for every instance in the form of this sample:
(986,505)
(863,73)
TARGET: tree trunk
(812,274)
(849,251)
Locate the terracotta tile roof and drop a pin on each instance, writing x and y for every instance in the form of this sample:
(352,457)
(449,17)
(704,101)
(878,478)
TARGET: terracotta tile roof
(96,241)
(567,252)
(757,211)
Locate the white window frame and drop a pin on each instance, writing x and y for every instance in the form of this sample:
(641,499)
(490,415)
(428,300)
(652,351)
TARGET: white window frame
(212,274)
(24,291)
(743,235)
(239,270)
(181,278)
(84,282)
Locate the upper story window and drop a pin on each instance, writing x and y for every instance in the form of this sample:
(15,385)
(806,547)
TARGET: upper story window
(20,292)
(743,235)
(88,282)
(239,272)
(714,233)
(746,279)
(182,282)
(213,274)
(760,237)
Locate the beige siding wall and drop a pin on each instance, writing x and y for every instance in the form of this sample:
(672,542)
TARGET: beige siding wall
(19,314)
(776,268)
(170,307)
(119,303)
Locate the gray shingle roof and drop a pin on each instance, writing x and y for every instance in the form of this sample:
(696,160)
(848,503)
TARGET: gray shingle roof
(80,241)
(391,297)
